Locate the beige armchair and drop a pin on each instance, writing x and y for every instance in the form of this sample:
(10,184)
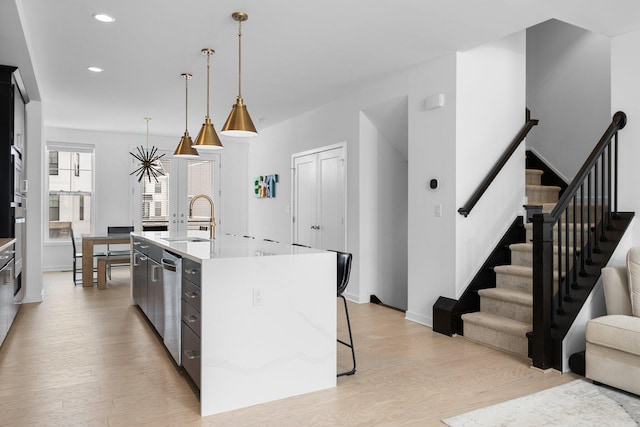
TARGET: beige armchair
(613,341)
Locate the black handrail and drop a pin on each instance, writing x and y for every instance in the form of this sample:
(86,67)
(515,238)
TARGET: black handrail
(562,282)
(618,122)
(493,173)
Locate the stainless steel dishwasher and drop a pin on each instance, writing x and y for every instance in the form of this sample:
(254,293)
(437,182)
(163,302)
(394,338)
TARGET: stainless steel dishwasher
(172,283)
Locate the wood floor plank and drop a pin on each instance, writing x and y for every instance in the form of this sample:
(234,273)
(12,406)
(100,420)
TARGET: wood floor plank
(87,357)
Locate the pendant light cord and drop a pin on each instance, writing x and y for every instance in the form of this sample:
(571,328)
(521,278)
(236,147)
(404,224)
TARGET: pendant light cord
(208,73)
(239,59)
(147,120)
(186,102)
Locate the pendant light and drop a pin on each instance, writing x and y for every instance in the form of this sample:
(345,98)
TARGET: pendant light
(239,122)
(149,160)
(185,148)
(207,138)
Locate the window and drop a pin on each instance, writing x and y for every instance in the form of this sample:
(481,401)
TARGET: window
(53,163)
(200,181)
(70,190)
(155,197)
(54,207)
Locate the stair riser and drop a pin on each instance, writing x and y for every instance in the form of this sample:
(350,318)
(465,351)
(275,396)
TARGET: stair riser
(595,210)
(533,178)
(526,258)
(519,283)
(507,309)
(497,339)
(540,196)
(514,282)
(529,235)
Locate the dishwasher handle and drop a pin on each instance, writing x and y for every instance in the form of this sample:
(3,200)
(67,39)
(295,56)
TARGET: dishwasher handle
(168,265)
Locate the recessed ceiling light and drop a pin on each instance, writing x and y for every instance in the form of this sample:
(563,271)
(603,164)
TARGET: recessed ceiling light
(95,69)
(102,17)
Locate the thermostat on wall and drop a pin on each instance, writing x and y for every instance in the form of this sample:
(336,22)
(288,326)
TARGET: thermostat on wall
(433,184)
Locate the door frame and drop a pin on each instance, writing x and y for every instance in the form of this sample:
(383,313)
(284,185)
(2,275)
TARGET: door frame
(293,210)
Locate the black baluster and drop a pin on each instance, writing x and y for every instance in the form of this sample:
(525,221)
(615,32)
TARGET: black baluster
(596,248)
(589,261)
(583,272)
(615,176)
(560,310)
(603,225)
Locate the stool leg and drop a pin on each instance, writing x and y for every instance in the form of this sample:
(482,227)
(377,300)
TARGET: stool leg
(350,345)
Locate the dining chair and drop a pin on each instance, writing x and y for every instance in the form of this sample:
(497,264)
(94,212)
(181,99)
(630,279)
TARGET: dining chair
(344,270)
(155,228)
(124,229)
(77,280)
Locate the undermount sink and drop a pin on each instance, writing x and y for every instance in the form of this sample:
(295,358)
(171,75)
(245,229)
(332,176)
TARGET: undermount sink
(186,239)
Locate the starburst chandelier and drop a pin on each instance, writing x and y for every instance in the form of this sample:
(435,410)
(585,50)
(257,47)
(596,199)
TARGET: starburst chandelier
(149,162)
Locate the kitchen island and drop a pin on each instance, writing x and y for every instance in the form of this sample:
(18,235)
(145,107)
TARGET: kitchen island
(258,318)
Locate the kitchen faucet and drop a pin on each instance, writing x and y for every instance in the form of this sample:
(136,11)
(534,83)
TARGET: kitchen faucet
(212,220)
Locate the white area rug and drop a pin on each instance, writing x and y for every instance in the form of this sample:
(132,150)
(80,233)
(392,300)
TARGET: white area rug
(578,403)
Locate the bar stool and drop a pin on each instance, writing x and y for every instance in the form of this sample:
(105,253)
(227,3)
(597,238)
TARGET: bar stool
(344,269)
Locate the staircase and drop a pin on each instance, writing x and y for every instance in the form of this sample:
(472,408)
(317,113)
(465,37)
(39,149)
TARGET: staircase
(506,311)
(529,291)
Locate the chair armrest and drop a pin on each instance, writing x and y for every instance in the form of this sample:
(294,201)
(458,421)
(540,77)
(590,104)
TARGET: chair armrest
(616,290)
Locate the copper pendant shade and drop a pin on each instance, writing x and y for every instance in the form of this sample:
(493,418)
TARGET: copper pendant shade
(185,148)
(239,122)
(207,138)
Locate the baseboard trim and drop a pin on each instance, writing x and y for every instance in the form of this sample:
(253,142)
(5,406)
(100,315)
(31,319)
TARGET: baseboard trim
(418,318)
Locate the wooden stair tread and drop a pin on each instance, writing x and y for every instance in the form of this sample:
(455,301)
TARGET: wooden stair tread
(550,188)
(518,270)
(510,326)
(528,247)
(508,295)
(534,171)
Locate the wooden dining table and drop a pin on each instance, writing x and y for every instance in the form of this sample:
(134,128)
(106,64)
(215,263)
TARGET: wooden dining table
(88,243)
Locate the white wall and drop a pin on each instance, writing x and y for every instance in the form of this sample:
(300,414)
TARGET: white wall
(32,264)
(492,79)
(625,93)
(386,205)
(432,153)
(270,153)
(490,111)
(568,90)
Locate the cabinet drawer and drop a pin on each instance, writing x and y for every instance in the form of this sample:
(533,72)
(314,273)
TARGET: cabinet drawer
(191,353)
(191,294)
(155,252)
(191,317)
(191,271)
(141,245)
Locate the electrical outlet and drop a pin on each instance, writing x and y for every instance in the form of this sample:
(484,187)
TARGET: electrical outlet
(437,210)
(258,297)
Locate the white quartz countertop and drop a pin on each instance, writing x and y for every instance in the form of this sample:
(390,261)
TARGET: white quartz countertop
(197,246)
(5,242)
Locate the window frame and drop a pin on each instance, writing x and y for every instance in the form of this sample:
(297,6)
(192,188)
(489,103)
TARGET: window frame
(68,147)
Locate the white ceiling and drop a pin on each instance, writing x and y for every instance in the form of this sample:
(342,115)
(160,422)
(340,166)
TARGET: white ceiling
(296,55)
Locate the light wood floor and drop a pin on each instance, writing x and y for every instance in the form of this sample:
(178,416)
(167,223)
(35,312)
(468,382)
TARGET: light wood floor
(86,357)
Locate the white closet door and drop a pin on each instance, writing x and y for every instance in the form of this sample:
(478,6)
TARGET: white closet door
(318,193)
(305,197)
(330,210)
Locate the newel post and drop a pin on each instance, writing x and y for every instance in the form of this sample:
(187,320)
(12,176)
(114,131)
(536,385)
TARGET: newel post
(542,290)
